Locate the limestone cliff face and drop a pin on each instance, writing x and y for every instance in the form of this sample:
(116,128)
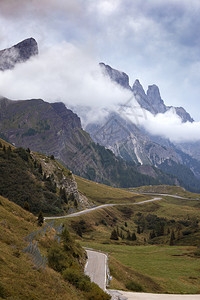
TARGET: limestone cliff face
(19,53)
(119,77)
(127,141)
(151,100)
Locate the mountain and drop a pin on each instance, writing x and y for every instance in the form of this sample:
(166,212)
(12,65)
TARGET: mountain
(37,181)
(52,129)
(41,262)
(131,142)
(19,53)
(151,100)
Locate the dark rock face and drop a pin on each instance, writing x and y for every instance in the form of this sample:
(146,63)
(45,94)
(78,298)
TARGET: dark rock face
(18,53)
(119,77)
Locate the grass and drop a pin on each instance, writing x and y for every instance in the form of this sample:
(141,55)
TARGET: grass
(18,276)
(157,268)
(165,189)
(101,194)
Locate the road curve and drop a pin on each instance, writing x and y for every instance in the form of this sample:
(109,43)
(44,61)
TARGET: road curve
(95,268)
(169,195)
(86,211)
(121,295)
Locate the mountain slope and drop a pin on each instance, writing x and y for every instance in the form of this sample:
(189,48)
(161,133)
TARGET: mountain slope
(37,182)
(53,129)
(19,277)
(132,143)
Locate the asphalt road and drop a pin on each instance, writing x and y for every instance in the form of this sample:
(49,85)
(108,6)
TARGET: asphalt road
(168,195)
(95,268)
(120,295)
(86,211)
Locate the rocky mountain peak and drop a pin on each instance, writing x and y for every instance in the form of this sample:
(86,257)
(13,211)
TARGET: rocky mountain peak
(18,53)
(117,76)
(137,85)
(155,100)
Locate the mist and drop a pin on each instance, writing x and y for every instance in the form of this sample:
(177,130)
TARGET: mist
(167,125)
(72,75)
(62,73)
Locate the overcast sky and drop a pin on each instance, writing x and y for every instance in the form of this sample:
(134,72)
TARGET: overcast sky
(156,41)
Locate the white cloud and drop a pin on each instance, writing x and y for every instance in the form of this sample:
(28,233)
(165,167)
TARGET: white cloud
(63,73)
(168,125)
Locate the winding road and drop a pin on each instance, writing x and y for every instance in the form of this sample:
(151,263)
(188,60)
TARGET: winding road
(121,295)
(96,265)
(86,211)
(95,268)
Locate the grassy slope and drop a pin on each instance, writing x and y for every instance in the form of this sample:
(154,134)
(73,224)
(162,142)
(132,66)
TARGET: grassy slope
(18,276)
(127,258)
(101,194)
(165,189)
(156,268)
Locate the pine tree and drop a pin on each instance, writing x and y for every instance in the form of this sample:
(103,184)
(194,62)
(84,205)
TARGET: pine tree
(133,238)
(114,235)
(40,219)
(138,229)
(172,238)
(9,150)
(40,169)
(118,231)
(75,203)
(152,235)
(26,206)
(128,235)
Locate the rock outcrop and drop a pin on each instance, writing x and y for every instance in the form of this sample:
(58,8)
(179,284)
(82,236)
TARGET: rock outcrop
(19,53)
(151,100)
(117,76)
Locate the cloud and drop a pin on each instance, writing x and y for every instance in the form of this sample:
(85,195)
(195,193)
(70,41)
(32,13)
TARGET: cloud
(167,125)
(156,41)
(64,73)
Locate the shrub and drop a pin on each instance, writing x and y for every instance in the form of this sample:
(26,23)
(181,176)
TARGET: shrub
(134,286)
(83,283)
(2,292)
(197,252)
(186,232)
(57,259)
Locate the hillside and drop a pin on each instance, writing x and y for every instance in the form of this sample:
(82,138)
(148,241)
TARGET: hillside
(37,182)
(122,131)
(21,276)
(52,129)
(150,240)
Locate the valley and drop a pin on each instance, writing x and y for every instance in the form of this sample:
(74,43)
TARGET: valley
(89,191)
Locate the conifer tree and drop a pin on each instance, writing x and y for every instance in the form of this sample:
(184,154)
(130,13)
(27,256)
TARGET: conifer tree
(128,235)
(172,238)
(133,236)
(40,169)
(26,206)
(40,219)
(114,235)
(138,229)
